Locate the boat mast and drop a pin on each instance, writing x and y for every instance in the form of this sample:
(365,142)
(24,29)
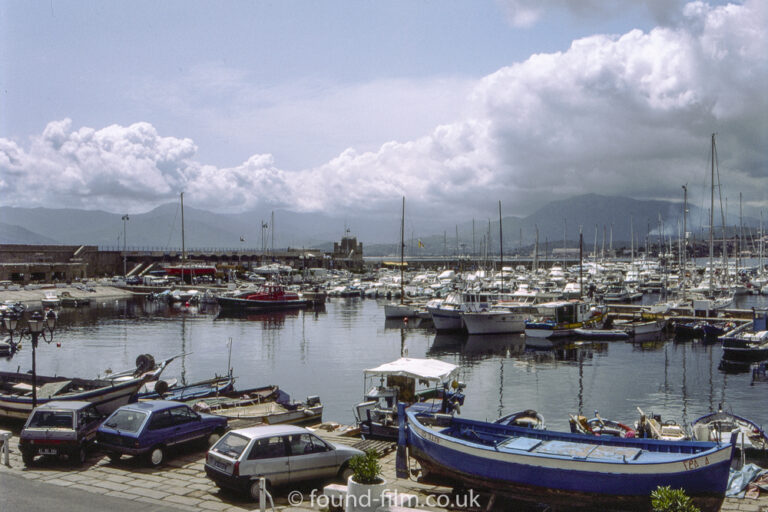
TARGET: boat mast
(741,235)
(685,235)
(711,218)
(402,252)
(501,250)
(183,249)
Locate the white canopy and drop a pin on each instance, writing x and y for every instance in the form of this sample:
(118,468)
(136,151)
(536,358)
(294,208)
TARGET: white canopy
(432,370)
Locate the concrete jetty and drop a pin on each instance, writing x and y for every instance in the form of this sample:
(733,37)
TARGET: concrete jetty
(33,297)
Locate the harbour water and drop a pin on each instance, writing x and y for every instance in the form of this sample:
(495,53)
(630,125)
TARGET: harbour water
(325,352)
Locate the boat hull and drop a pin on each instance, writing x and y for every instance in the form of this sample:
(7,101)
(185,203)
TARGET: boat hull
(235,304)
(106,399)
(494,322)
(446,320)
(568,476)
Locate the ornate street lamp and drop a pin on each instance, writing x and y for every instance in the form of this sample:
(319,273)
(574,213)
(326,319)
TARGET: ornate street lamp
(37,324)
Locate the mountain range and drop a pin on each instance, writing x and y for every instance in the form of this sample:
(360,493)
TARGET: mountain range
(615,218)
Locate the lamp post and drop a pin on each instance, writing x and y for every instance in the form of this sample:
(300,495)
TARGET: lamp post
(36,326)
(125,255)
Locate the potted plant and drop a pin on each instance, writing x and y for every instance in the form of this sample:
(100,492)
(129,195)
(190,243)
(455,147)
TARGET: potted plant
(666,499)
(365,486)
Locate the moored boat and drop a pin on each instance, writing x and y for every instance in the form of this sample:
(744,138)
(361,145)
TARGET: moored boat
(526,419)
(564,468)
(720,426)
(108,394)
(501,318)
(269,296)
(598,426)
(559,319)
(601,334)
(431,383)
(254,407)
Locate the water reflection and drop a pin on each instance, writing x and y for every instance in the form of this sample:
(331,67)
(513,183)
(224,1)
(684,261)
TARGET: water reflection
(324,352)
(269,320)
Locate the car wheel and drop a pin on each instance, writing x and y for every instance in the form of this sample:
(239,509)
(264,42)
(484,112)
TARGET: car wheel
(78,458)
(27,457)
(345,473)
(213,437)
(254,489)
(156,456)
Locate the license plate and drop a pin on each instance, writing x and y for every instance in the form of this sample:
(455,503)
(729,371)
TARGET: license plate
(220,465)
(48,451)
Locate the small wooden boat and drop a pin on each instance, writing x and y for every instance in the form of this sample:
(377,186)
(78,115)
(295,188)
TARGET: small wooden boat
(165,390)
(720,426)
(651,427)
(8,346)
(108,394)
(69,301)
(429,383)
(559,319)
(51,300)
(259,406)
(598,426)
(560,467)
(689,330)
(601,334)
(526,419)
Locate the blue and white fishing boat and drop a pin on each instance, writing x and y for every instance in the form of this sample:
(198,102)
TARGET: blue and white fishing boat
(562,318)
(559,467)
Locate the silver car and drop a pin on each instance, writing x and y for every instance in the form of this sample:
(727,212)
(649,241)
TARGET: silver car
(282,454)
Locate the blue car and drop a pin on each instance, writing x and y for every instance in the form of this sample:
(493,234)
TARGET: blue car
(149,428)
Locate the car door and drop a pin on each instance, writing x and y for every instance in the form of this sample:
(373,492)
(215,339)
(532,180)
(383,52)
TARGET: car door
(87,422)
(268,457)
(160,430)
(311,458)
(187,424)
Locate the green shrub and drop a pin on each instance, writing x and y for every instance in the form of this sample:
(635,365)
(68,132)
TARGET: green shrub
(666,499)
(366,468)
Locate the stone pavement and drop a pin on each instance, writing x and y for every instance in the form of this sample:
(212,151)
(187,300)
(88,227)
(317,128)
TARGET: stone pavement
(181,483)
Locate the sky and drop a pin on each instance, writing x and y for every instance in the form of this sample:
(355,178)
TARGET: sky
(347,106)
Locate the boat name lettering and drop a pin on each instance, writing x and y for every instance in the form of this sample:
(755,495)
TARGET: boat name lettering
(694,463)
(431,438)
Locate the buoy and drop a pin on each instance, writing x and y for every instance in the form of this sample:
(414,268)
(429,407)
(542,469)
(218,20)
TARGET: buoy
(58,344)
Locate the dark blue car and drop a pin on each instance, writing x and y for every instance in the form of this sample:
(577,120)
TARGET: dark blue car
(149,428)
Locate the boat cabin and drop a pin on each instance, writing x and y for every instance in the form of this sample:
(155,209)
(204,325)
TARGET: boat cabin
(430,382)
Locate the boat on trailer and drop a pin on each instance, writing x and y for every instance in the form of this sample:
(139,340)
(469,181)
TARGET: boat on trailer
(564,468)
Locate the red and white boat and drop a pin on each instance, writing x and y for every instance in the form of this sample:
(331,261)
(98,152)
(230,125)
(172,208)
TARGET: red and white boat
(194,270)
(269,296)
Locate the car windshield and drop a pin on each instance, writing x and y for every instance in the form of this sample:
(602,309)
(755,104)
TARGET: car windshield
(52,419)
(126,420)
(231,445)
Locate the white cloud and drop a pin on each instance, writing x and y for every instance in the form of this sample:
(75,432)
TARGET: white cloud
(618,115)
(526,13)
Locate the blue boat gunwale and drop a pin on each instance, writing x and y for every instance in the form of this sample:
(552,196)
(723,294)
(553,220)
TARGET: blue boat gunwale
(679,451)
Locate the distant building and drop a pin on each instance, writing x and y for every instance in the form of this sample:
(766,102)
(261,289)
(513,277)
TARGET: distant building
(348,253)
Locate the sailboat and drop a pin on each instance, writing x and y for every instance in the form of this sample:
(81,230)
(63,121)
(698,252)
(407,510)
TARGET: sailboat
(401,309)
(711,299)
(188,271)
